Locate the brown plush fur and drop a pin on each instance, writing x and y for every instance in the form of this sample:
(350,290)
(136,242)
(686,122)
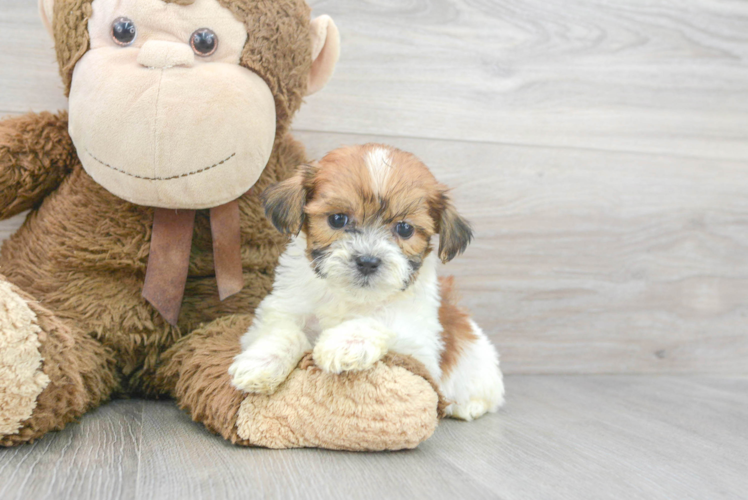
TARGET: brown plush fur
(196,368)
(36,153)
(80,258)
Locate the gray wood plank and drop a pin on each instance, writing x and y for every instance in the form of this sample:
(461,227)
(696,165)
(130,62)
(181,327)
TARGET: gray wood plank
(643,75)
(97,458)
(608,437)
(29,76)
(565,437)
(180,459)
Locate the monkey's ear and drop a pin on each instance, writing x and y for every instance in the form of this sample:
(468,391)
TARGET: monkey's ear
(325,52)
(46,12)
(284,204)
(455,233)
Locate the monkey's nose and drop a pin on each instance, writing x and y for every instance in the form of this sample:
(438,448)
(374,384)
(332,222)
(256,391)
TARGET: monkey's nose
(161,54)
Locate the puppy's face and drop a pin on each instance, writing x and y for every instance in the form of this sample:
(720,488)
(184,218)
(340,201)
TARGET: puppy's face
(369,213)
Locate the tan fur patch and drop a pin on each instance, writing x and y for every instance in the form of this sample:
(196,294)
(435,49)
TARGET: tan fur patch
(456,324)
(21,375)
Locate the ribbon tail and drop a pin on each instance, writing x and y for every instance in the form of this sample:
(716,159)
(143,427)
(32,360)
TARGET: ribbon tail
(227,246)
(169,261)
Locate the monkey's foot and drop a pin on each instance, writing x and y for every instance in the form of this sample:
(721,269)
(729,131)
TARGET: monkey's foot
(385,408)
(394,405)
(21,375)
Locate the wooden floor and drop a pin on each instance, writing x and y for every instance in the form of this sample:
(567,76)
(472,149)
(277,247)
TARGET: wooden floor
(560,437)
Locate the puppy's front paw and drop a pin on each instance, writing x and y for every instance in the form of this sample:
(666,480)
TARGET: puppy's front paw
(259,372)
(351,346)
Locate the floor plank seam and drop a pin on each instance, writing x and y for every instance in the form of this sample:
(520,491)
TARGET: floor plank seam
(525,145)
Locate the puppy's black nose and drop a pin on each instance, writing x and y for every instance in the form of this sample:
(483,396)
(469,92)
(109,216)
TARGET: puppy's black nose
(367,264)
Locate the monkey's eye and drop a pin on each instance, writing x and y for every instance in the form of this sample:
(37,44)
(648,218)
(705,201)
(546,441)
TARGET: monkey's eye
(337,221)
(404,230)
(123,31)
(204,42)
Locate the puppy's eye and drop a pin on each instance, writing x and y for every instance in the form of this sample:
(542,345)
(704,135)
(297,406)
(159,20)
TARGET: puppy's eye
(337,221)
(404,230)
(123,31)
(204,42)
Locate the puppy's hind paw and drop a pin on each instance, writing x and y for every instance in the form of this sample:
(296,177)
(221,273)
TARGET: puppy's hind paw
(471,410)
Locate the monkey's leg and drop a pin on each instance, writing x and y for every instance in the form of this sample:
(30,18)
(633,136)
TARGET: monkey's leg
(386,408)
(50,373)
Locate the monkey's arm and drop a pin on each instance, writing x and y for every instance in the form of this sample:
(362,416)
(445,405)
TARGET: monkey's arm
(36,153)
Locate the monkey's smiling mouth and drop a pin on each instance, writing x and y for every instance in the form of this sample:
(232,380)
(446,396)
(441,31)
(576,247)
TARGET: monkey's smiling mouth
(186,174)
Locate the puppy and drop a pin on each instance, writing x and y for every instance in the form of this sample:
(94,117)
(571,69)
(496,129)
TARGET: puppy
(360,276)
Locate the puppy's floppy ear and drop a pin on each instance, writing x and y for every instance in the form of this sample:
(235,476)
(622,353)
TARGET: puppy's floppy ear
(455,232)
(284,202)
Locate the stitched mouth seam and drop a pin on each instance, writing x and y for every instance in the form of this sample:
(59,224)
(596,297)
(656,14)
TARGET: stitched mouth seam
(187,174)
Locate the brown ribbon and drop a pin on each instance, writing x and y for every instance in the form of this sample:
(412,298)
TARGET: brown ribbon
(227,249)
(169,258)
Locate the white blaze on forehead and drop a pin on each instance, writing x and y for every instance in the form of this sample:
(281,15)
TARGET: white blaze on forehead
(379,163)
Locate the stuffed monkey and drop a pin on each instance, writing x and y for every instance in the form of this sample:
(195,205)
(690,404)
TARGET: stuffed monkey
(146,248)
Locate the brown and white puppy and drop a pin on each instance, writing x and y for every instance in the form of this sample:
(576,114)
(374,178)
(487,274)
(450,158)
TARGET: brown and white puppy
(360,276)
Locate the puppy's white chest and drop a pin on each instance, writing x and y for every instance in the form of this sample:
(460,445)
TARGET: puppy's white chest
(331,314)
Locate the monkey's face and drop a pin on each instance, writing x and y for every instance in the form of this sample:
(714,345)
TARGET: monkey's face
(161,111)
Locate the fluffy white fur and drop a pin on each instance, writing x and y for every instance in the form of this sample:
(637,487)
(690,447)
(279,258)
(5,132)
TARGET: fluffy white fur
(355,324)
(379,163)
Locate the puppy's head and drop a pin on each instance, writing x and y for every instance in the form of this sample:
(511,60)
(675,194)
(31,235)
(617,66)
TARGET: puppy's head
(368,213)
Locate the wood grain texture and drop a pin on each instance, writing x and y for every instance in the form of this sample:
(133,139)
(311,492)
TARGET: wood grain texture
(29,77)
(183,461)
(97,458)
(609,438)
(603,437)
(641,75)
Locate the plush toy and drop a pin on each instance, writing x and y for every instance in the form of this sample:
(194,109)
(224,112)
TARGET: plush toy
(146,245)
